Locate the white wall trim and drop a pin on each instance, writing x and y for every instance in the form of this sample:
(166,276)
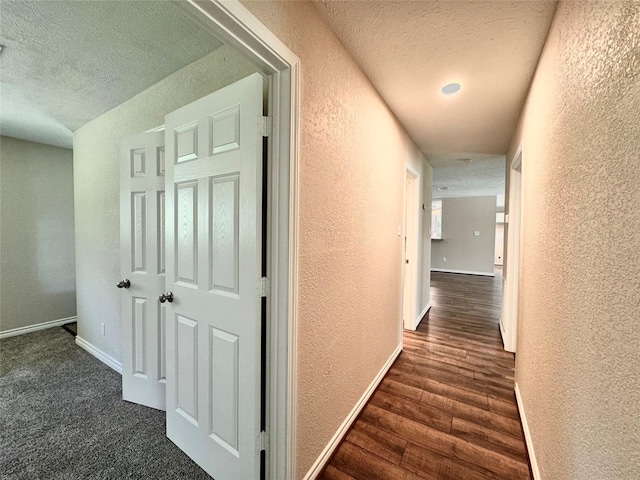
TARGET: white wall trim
(422,314)
(39,326)
(325,456)
(465,272)
(527,436)
(99,354)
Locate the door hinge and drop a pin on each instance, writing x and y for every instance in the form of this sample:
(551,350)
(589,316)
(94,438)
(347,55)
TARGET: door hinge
(264,287)
(263,441)
(267,126)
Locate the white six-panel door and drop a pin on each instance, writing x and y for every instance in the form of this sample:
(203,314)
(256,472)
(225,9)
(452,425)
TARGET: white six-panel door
(213,188)
(142,241)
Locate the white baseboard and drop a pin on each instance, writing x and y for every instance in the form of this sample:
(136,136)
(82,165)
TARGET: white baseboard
(422,314)
(34,328)
(465,272)
(527,436)
(502,337)
(325,456)
(99,354)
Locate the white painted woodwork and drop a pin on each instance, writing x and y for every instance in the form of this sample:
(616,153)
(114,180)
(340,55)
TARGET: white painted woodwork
(186,257)
(213,188)
(161,230)
(186,142)
(139,229)
(37,327)
(142,231)
(139,337)
(509,320)
(187,368)
(410,250)
(160,159)
(224,217)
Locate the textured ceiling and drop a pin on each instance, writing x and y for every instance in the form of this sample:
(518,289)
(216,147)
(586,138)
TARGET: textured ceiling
(67,62)
(484,175)
(410,49)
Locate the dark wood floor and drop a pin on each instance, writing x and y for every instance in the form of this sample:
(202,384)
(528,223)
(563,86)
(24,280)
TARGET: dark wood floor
(446,408)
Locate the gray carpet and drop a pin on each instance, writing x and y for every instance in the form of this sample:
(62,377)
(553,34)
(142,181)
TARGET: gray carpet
(62,417)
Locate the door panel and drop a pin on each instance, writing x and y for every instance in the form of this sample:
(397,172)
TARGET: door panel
(139,229)
(186,233)
(162,345)
(223,220)
(139,337)
(213,247)
(187,368)
(143,263)
(160,238)
(224,388)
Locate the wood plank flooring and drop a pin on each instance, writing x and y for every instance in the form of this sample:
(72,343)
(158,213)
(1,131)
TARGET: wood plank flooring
(446,409)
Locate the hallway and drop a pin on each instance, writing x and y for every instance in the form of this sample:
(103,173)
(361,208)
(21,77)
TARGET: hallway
(446,408)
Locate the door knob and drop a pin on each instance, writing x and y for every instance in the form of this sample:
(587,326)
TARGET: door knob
(166,297)
(124,283)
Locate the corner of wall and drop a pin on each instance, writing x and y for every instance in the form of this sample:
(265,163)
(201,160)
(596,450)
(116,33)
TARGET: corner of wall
(325,456)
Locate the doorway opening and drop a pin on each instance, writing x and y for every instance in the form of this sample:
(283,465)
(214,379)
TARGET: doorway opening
(411,223)
(143,31)
(233,24)
(509,319)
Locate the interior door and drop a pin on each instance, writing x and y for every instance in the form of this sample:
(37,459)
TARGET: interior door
(409,289)
(142,240)
(214,200)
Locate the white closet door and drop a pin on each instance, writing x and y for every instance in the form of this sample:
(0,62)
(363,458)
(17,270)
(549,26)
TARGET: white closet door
(214,201)
(142,240)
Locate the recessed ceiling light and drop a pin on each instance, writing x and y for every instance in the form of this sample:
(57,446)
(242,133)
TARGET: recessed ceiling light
(451,88)
(442,188)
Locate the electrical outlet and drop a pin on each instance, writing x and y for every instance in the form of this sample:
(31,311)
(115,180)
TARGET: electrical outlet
(444,259)
(476,233)
(103,328)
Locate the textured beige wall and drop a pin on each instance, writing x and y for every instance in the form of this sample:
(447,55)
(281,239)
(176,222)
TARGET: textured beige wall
(97,180)
(36,246)
(464,252)
(578,360)
(352,173)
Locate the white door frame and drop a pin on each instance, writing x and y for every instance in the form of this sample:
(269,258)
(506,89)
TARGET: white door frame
(411,233)
(232,23)
(511,278)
